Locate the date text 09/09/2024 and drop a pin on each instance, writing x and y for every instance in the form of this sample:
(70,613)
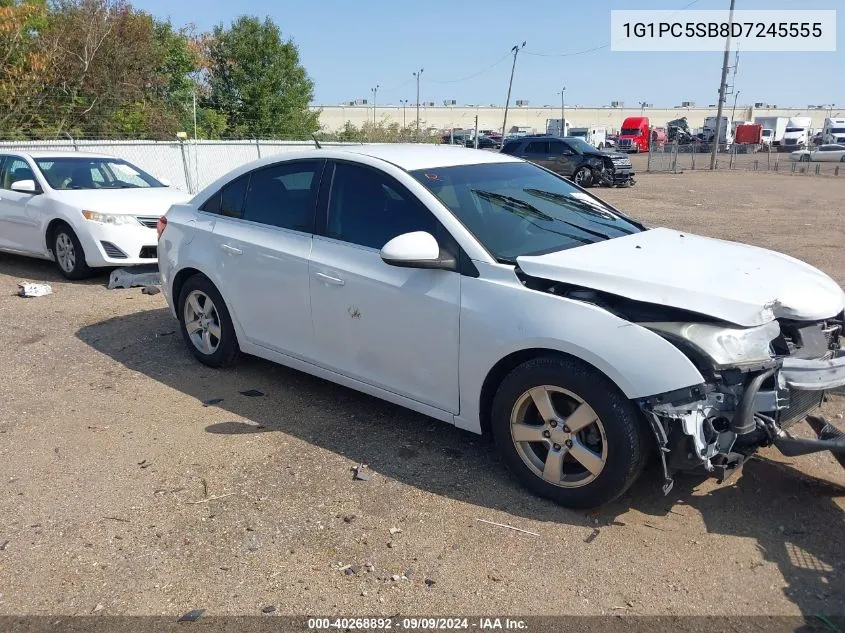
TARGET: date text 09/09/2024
(417,624)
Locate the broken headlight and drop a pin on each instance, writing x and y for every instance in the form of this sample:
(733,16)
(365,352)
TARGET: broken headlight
(726,346)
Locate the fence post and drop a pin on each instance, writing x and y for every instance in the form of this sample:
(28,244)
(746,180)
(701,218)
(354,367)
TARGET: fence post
(836,171)
(731,156)
(186,168)
(258,147)
(693,152)
(72,140)
(675,157)
(648,160)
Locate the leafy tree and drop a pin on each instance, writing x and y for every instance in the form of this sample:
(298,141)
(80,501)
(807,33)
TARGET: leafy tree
(257,81)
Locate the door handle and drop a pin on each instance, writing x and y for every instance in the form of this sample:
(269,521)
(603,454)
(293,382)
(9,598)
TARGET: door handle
(332,281)
(231,249)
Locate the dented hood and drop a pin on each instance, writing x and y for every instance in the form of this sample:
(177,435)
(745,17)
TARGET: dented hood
(741,284)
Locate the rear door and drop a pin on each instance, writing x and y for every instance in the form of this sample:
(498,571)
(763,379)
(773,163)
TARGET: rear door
(264,237)
(394,328)
(538,152)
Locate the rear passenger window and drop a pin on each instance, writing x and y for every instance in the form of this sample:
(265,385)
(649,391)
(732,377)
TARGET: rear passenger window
(537,147)
(510,147)
(284,195)
(229,201)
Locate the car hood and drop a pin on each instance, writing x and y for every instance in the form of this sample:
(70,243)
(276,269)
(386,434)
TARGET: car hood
(733,282)
(152,201)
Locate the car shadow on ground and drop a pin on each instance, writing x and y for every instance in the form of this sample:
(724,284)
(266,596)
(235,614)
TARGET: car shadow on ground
(794,518)
(44,271)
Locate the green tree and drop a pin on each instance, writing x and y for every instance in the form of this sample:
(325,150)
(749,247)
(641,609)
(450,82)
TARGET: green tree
(256,79)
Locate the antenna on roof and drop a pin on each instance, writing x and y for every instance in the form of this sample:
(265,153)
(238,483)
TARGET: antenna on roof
(316,142)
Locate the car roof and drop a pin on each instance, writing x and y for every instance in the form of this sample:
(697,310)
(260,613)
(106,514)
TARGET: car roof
(53,154)
(412,156)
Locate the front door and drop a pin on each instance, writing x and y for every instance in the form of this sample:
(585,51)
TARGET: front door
(394,328)
(562,158)
(19,211)
(264,237)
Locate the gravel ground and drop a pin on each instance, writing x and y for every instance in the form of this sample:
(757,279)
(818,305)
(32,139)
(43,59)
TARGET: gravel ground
(122,493)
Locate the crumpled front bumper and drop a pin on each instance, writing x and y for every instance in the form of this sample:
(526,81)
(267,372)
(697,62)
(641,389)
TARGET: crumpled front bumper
(814,375)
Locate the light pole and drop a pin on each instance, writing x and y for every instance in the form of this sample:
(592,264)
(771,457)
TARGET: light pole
(642,104)
(417,75)
(562,113)
(404,103)
(515,50)
(830,110)
(375,94)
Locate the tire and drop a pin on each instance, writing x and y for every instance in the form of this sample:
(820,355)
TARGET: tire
(69,254)
(583,177)
(207,330)
(615,441)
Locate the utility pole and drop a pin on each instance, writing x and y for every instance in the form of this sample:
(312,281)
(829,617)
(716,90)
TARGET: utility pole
(375,94)
(515,50)
(476,131)
(733,112)
(562,113)
(417,75)
(715,147)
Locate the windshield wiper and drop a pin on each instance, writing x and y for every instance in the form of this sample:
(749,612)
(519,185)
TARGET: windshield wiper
(586,207)
(523,207)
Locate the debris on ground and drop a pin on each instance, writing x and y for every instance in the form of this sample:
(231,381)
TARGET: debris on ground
(211,402)
(192,616)
(3,546)
(349,518)
(361,472)
(150,290)
(144,463)
(252,393)
(510,527)
(395,530)
(268,609)
(29,290)
(429,582)
(99,607)
(133,277)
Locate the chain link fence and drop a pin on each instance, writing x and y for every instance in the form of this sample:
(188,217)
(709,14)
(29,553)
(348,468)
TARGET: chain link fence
(187,165)
(676,158)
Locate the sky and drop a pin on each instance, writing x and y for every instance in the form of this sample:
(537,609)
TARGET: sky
(463,47)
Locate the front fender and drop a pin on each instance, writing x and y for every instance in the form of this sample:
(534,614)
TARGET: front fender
(640,362)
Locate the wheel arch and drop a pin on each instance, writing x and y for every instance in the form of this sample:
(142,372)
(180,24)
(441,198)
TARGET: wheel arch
(179,280)
(506,365)
(49,233)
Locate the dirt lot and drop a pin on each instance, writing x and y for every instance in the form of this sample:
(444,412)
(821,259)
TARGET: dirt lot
(121,493)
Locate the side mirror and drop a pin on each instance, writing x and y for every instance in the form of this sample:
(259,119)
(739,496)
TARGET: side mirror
(416,250)
(24,186)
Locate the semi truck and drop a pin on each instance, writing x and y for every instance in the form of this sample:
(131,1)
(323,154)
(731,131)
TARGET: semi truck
(595,136)
(553,127)
(797,135)
(774,127)
(634,135)
(833,130)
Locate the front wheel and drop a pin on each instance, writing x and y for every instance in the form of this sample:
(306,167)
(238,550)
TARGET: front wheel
(583,177)
(567,432)
(69,255)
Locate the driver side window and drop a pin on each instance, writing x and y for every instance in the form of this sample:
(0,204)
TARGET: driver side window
(14,169)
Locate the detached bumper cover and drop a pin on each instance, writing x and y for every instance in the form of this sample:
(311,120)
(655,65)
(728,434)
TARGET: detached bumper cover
(814,375)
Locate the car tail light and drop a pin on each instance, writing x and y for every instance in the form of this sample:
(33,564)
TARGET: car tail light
(161,225)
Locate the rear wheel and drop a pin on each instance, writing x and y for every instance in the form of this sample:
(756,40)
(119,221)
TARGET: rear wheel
(583,177)
(567,432)
(69,255)
(205,323)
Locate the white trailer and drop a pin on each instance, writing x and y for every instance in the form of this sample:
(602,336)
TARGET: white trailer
(725,131)
(553,127)
(774,127)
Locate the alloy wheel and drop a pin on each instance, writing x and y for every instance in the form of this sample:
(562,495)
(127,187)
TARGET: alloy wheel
(65,252)
(558,436)
(202,322)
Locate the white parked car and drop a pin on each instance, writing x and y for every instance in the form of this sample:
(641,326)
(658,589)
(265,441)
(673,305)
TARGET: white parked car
(83,211)
(833,153)
(491,294)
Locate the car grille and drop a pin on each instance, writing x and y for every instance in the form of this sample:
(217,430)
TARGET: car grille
(790,141)
(149,252)
(150,221)
(625,142)
(113,251)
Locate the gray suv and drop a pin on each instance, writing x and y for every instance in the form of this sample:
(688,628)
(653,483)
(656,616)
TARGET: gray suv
(575,159)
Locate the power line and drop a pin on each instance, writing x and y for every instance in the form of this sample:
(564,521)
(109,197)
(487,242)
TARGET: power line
(598,48)
(480,72)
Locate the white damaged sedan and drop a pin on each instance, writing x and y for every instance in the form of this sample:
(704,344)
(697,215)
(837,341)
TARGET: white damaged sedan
(491,294)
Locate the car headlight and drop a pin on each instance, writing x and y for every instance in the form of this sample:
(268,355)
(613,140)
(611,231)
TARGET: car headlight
(726,346)
(116,219)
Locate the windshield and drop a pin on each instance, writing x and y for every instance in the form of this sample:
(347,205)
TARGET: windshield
(517,209)
(577,134)
(767,132)
(94,173)
(838,130)
(630,131)
(795,129)
(579,145)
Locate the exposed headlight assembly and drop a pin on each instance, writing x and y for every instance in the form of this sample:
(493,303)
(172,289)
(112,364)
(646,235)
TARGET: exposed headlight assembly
(115,219)
(726,346)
